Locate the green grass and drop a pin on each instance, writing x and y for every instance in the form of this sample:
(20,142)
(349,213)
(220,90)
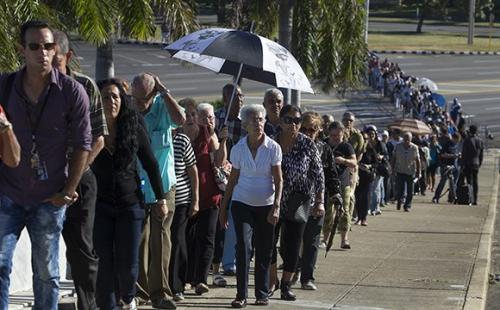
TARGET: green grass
(429,42)
(402,20)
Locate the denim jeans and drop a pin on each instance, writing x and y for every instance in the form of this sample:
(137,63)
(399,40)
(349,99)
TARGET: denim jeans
(44,223)
(117,233)
(376,190)
(404,182)
(449,176)
(229,255)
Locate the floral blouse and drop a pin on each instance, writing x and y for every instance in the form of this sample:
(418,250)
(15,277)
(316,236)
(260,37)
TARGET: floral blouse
(302,170)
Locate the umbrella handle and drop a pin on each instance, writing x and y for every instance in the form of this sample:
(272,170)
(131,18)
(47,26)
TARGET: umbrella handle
(235,84)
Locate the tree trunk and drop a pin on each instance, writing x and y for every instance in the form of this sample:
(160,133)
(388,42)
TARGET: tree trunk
(104,66)
(285,36)
(421,20)
(221,12)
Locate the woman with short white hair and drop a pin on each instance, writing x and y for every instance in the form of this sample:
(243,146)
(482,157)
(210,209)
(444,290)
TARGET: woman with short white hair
(255,186)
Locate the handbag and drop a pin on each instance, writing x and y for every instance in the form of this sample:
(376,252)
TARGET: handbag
(384,168)
(222,175)
(298,206)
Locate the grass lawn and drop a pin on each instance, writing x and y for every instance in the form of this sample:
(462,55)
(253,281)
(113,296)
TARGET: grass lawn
(429,42)
(429,22)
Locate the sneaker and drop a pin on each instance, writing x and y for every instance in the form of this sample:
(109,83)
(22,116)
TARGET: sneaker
(218,280)
(178,296)
(309,286)
(201,288)
(322,245)
(130,306)
(164,304)
(377,212)
(188,287)
(435,200)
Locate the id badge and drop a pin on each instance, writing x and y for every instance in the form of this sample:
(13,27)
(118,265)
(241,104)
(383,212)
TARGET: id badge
(39,167)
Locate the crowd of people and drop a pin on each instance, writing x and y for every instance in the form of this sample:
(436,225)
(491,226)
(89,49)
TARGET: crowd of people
(152,195)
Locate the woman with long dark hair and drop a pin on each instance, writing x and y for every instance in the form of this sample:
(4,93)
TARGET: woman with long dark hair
(119,213)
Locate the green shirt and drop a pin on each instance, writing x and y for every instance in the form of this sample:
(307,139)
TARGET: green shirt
(356,140)
(159,126)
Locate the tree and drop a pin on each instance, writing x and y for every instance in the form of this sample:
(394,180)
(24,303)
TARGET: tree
(326,37)
(425,7)
(95,21)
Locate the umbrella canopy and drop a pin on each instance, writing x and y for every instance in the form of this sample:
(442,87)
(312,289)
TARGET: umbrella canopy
(440,100)
(412,125)
(241,54)
(427,83)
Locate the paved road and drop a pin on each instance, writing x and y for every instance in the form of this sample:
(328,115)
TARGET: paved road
(400,28)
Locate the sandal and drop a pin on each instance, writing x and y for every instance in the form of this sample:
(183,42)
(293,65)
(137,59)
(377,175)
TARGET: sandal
(262,302)
(239,303)
(219,280)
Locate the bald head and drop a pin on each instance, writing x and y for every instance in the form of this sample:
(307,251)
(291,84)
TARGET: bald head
(143,90)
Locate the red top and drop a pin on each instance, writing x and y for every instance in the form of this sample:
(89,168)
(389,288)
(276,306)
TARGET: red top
(210,195)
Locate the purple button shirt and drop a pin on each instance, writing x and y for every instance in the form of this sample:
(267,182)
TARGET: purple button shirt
(65,118)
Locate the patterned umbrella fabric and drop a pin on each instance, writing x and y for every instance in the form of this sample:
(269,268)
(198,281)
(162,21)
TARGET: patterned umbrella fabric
(412,125)
(242,54)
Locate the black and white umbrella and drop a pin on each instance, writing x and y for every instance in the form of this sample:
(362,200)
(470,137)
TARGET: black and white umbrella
(242,54)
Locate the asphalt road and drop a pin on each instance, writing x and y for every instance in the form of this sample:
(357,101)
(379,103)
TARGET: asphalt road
(388,27)
(475,80)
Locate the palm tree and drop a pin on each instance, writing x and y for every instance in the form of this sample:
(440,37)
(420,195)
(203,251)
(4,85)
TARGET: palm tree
(326,37)
(96,22)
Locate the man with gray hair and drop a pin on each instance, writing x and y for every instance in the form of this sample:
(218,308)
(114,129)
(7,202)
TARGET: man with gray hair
(405,163)
(273,102)
(79,223)
(161,114)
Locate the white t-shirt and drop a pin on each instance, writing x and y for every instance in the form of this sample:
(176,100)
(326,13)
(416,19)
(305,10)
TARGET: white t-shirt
(255,185)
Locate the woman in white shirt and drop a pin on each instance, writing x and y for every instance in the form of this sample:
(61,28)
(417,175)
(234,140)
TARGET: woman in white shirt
(255,186)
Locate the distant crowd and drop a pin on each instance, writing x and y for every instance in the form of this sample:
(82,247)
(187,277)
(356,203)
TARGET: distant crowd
(156,197)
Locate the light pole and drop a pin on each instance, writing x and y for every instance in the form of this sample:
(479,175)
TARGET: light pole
(367,10)
(472,9)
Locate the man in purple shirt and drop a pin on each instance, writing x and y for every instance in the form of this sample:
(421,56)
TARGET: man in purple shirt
(47,109)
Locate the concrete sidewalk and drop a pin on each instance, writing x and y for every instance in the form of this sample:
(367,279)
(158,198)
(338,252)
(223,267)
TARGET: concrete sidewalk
(435,257)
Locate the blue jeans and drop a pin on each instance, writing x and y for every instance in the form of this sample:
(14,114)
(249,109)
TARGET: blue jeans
(117,234)
(44,223)
(447,175)
(376,190)
(404,183)
(229,254)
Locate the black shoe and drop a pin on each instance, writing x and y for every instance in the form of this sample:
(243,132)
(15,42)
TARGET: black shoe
(276,287)
(164,304)
(398,206)
(407,209)
(239,303)
(286,292)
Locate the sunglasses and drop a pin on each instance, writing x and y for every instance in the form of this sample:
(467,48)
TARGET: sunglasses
(45,46)
(292,120)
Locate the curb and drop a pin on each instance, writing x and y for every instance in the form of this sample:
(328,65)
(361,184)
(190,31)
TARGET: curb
(419,52)
(475,297)
(138,42)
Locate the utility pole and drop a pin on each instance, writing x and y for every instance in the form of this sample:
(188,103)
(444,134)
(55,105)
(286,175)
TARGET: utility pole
(472,11)
(285,37)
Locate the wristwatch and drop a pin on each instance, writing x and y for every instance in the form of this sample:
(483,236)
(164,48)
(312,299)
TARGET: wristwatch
(164,92)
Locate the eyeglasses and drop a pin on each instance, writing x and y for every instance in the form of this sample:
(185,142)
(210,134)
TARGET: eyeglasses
(144,99)
(46,46)
(292,120)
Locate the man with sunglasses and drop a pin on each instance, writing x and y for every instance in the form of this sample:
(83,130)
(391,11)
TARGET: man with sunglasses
(161,114)
(79,222)
(47,109)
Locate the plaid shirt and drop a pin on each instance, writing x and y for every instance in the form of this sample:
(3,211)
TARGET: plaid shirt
(235,131)
(97,118)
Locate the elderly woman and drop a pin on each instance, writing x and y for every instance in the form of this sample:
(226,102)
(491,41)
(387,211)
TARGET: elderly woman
(119,214)
(254,186)
(302,177)
(199,127)
(311,127)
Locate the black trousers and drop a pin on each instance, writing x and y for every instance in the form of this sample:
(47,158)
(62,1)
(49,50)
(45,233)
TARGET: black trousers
(219,244)
(202,230)
(310,247)
(251,223)
(179,253)
(362,198)
(78,236)
(471,175)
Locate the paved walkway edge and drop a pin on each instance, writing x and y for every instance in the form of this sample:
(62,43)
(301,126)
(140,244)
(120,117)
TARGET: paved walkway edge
(478,287)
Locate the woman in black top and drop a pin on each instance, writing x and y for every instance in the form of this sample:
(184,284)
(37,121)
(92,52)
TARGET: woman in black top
(119,214)
(302,173)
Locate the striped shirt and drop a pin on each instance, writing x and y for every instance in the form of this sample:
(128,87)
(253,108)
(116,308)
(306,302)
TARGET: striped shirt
(97,118)
(184,158)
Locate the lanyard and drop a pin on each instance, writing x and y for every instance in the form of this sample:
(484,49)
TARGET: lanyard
(33,126)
